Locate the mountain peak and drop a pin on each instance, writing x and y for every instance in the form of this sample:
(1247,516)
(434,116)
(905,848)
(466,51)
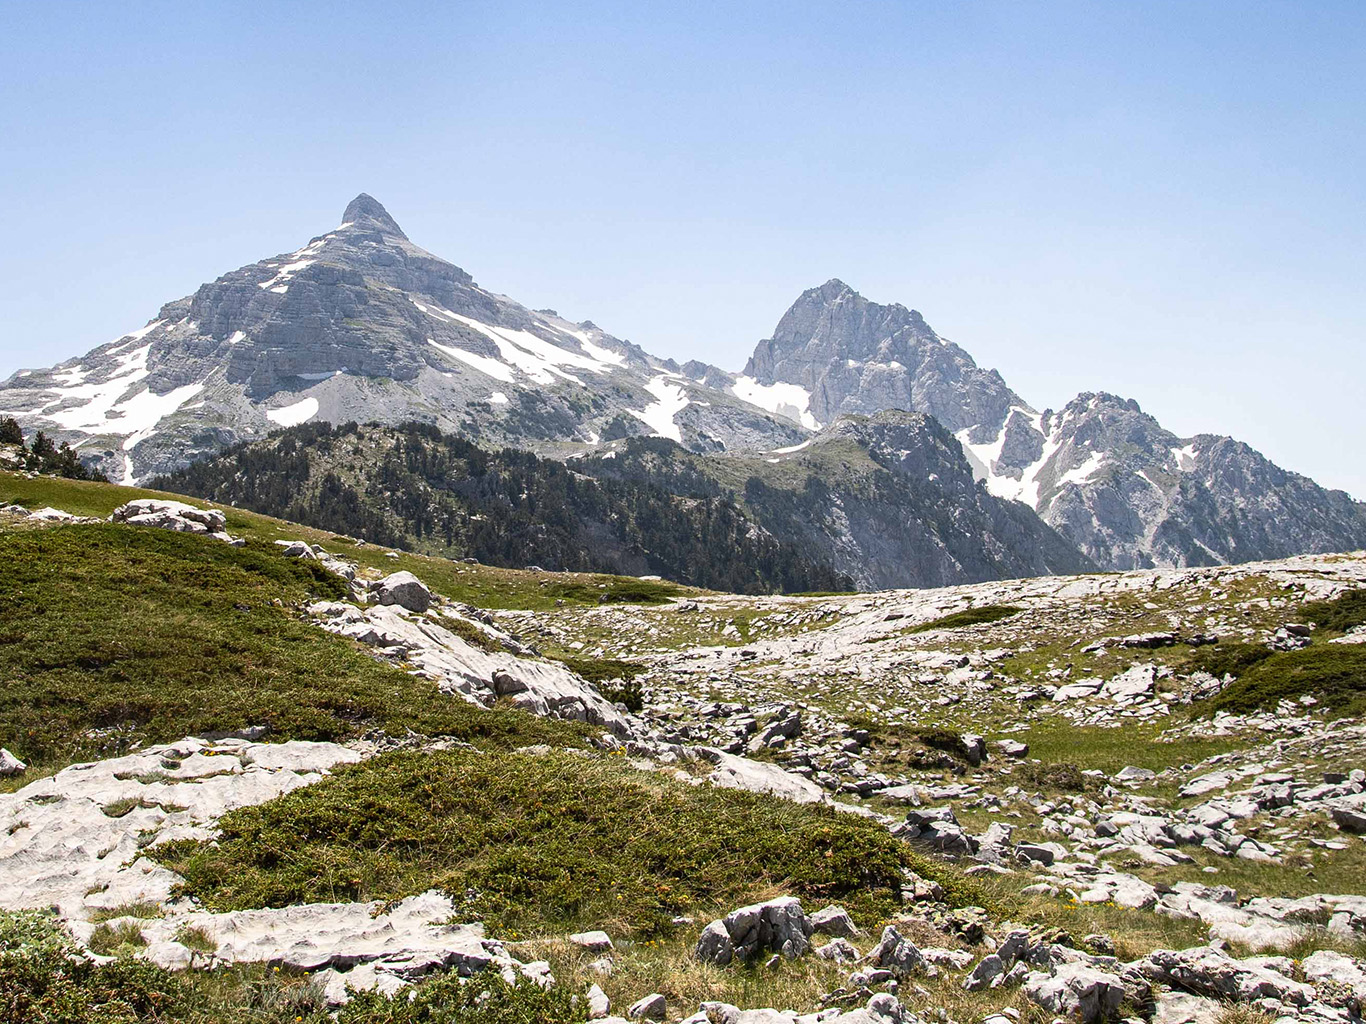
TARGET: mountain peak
(367,211)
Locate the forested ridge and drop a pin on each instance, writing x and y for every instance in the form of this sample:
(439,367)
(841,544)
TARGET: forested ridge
(415,487)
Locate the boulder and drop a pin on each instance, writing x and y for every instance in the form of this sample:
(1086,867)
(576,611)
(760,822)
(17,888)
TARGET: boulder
(1077,990)
(403,589)
(894,953)
(170,515)
(1012,748)
(778,925)
(11,765)
(834,921)
(593,942)
(599,1005)
(1350,819)
(652,1007)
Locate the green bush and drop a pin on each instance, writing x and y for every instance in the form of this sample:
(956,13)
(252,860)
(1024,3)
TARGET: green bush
(1333,674)
(1344,612)
(450,1000)
(968,617)
(42,981)
(538,843)
(615,679)
(1227,659)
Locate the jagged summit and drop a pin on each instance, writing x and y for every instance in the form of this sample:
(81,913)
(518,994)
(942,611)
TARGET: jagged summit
(367,211)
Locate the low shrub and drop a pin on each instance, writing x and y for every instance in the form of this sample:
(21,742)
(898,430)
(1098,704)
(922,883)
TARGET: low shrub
(968,617)
(538,843)
(1333,674)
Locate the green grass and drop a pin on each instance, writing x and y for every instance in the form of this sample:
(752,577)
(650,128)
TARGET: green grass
(1109,750)
(598,670)
(967,617)
(108,940)
(1333,674)
(542,844)
(111,635)
(480,585)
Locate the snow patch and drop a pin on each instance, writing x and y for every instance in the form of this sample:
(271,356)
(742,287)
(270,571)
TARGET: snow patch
(485,365)
(789,451)
(602,355)
(1185,458)
(670,400)
(539,359)
(124,340)
(283,272)
(292,415)
(237,336)
(791,401)
(1084,472)
(498,398)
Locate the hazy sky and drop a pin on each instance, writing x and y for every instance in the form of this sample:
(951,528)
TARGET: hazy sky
(1162,200)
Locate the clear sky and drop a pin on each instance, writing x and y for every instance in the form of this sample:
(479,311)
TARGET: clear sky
(1162,200)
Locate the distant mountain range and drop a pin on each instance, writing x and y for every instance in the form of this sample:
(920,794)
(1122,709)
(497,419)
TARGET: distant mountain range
(362,325)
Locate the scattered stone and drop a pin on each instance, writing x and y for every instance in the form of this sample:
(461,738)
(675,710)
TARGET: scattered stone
(652,1007)
(593,942)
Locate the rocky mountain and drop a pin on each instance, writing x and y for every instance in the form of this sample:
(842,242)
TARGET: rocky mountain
(1107,476)
(361,324)
(888,500)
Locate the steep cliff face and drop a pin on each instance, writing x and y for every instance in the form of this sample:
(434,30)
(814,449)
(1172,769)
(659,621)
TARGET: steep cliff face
(855,356)
(891,501)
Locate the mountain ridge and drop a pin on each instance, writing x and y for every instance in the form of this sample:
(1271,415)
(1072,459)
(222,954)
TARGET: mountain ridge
(362,324)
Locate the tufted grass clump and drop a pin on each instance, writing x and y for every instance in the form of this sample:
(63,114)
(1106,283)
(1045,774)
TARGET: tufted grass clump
(536,844)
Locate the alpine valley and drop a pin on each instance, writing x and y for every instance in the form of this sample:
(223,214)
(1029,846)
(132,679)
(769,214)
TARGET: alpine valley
(857,445)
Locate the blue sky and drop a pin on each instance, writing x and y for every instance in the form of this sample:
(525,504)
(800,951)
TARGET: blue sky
(1162,200)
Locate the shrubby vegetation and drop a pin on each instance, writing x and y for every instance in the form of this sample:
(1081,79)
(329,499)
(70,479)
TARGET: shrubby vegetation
(1333,674)
(41,455)
(123,635)
(968,617)
(415,487)
(539,844)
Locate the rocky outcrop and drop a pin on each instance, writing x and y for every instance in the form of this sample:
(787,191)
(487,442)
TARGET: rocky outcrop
(165,514)
(779,926)
(455,666)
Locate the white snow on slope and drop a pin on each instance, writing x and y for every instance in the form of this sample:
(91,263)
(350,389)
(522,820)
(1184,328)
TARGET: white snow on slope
(789,451)
(1185,457)
(539,359)
(670,399)
(498,398)
(283,272)
(492,367)
(97,401)
(791,401)
(602,355)
(145,410)
(124,340)
(1085,471)
(292,415)
(237,336)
